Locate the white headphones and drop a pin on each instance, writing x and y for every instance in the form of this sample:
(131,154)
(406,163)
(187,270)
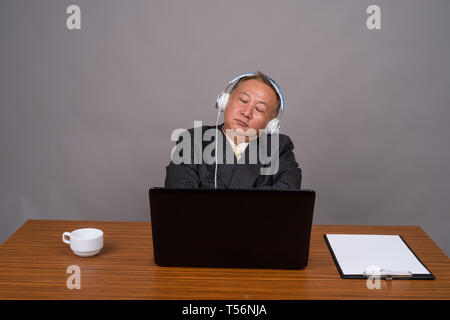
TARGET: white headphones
(273,127)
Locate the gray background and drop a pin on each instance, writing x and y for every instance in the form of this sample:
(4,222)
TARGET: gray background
(86,115)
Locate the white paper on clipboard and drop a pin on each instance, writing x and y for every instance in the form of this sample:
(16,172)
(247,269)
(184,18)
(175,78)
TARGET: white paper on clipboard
(355,252)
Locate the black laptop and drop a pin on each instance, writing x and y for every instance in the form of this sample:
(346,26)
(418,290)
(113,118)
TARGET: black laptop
(231,228)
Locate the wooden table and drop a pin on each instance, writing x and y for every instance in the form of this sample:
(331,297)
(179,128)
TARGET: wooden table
(34,260)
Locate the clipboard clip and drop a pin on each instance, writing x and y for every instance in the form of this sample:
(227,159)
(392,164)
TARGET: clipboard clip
(389,274)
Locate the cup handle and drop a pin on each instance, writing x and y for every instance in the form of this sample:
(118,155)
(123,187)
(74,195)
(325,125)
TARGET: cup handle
(66,237)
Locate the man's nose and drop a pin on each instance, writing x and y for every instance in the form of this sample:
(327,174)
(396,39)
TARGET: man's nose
(247,111)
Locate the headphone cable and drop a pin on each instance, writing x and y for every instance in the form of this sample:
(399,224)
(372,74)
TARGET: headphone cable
(215,151)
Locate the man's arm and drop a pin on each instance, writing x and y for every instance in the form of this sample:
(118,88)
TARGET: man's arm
(183,175)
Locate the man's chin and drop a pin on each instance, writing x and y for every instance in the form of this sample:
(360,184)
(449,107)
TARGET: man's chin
(237,129)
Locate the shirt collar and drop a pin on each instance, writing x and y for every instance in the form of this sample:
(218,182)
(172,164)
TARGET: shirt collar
(242,145)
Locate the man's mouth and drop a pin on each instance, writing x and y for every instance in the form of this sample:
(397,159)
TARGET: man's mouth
(241,123)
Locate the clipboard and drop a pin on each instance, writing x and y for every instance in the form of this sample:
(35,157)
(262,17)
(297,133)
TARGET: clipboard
(355,255)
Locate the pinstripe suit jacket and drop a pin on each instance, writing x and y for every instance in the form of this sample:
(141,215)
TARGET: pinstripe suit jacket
(245,175)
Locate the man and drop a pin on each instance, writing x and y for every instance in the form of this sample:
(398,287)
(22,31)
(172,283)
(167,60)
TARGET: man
(253,102)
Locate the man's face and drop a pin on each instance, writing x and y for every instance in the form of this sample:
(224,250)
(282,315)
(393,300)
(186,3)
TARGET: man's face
(251,106)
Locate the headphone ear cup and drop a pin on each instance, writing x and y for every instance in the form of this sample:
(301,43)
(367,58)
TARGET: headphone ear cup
(222,101)
(273,127)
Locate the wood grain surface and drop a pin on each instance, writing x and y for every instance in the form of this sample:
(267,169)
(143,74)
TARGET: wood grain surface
(34,260)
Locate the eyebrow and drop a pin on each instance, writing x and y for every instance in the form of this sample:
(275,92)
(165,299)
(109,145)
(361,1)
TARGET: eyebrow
(260,101)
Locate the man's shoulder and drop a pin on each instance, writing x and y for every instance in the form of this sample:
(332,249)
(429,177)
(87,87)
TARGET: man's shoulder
(284,138)
(282,141)
(202,129)
(197,135)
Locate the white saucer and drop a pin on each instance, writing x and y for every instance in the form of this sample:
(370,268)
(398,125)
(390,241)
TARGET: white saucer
(86,254)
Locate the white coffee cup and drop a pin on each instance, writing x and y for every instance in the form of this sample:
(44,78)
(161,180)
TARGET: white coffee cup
(85,242)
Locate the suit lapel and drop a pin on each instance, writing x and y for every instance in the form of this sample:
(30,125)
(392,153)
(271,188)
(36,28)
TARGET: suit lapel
(237,175)
(245,174)
(224,171)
